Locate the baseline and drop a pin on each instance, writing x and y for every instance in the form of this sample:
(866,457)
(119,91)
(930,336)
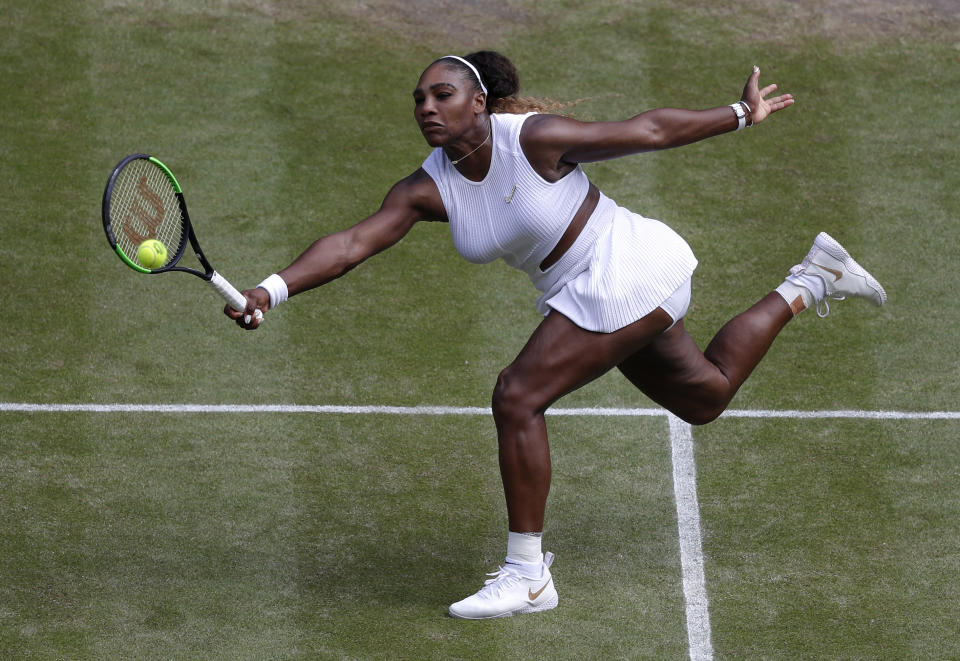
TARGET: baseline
(26,407)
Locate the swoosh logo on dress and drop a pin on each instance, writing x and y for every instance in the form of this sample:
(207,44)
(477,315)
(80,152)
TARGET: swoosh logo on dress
(836,274)
(508,199)
(533,595)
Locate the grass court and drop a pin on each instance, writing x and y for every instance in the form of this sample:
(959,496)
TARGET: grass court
(129,530)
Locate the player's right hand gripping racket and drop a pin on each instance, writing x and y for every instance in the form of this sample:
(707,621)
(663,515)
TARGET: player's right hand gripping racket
(143,201)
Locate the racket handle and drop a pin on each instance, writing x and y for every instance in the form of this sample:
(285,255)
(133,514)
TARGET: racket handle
(234,298)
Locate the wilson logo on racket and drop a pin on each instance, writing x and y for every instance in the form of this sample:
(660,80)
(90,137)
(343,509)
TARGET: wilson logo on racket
(149,218)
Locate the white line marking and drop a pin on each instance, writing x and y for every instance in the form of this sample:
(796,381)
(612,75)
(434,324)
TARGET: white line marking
(241,408)
(869,415)
(691,549)
(24,407)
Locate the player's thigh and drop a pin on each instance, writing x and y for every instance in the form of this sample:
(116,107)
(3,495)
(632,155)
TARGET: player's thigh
(560,357)
(672,367)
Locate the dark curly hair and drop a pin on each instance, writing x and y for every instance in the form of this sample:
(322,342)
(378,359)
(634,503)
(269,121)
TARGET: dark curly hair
(502,82)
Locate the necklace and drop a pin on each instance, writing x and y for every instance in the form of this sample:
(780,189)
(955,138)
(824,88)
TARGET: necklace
(452,162)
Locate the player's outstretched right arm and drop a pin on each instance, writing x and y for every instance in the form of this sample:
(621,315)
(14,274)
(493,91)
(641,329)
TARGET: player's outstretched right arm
(411,199)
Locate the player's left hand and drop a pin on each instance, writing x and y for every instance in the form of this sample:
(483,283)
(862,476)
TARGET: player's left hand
(754,96)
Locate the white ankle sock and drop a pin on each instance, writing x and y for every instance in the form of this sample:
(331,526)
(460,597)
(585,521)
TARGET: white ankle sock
(797,296)
(524,548)
(811,282)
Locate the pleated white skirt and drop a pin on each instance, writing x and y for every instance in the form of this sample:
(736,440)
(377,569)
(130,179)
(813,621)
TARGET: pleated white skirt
(636,264)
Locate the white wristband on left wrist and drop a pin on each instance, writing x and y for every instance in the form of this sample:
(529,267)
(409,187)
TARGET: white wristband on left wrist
(749,111)
(740,113)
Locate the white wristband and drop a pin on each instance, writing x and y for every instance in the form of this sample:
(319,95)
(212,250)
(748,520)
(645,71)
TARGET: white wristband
(740,113)
(277,289)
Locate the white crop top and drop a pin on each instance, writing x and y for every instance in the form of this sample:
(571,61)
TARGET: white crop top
(513,213)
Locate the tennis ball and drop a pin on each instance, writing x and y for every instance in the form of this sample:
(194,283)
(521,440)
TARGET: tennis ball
(152,254)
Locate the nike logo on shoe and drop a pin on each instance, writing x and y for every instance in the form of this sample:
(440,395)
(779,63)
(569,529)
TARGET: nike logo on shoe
(533,595)
(836,274)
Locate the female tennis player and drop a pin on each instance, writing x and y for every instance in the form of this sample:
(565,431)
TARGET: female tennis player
(614,285)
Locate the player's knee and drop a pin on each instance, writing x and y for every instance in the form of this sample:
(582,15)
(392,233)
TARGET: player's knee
(511,400)
(702,410)
(700,416)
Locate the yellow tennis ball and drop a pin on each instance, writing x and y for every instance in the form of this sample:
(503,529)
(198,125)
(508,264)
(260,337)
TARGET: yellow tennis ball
(152,254)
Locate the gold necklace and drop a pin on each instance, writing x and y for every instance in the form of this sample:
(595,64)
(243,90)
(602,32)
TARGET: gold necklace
(452,162)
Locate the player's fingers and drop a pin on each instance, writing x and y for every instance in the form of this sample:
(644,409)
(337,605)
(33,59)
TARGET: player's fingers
(751,92)
(252,316)
(253,320)
(249,308)
(780,102)
(769,88)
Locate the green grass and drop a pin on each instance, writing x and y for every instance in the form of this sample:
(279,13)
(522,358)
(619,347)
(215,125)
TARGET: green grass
(341,542)
(345,537)
(850,561)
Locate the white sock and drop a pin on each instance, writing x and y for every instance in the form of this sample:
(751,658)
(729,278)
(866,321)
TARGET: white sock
(812,282)
(797,296)
(523,548)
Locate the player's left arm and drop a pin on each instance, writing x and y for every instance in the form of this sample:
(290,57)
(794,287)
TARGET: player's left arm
(560,142)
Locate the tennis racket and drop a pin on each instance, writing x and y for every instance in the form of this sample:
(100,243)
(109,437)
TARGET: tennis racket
(143,201)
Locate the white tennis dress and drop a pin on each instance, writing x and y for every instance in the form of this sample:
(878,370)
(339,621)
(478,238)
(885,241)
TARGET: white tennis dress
(620,268)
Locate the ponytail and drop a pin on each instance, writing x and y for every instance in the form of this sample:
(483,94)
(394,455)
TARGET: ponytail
(500,78)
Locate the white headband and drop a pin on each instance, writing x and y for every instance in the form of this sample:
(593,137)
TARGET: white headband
(472,68)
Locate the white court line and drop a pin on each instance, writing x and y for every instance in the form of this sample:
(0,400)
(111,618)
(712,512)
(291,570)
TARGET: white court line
(241,408)
(691,548)
(24,407)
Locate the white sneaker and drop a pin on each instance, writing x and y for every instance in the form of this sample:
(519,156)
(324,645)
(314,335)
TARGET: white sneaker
(508,593)
(841,275)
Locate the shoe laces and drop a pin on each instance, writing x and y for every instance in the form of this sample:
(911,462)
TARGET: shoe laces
(501,580)
(823,307)
(826,306)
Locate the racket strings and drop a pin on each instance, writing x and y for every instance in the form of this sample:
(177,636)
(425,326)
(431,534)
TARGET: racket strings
(144,205)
